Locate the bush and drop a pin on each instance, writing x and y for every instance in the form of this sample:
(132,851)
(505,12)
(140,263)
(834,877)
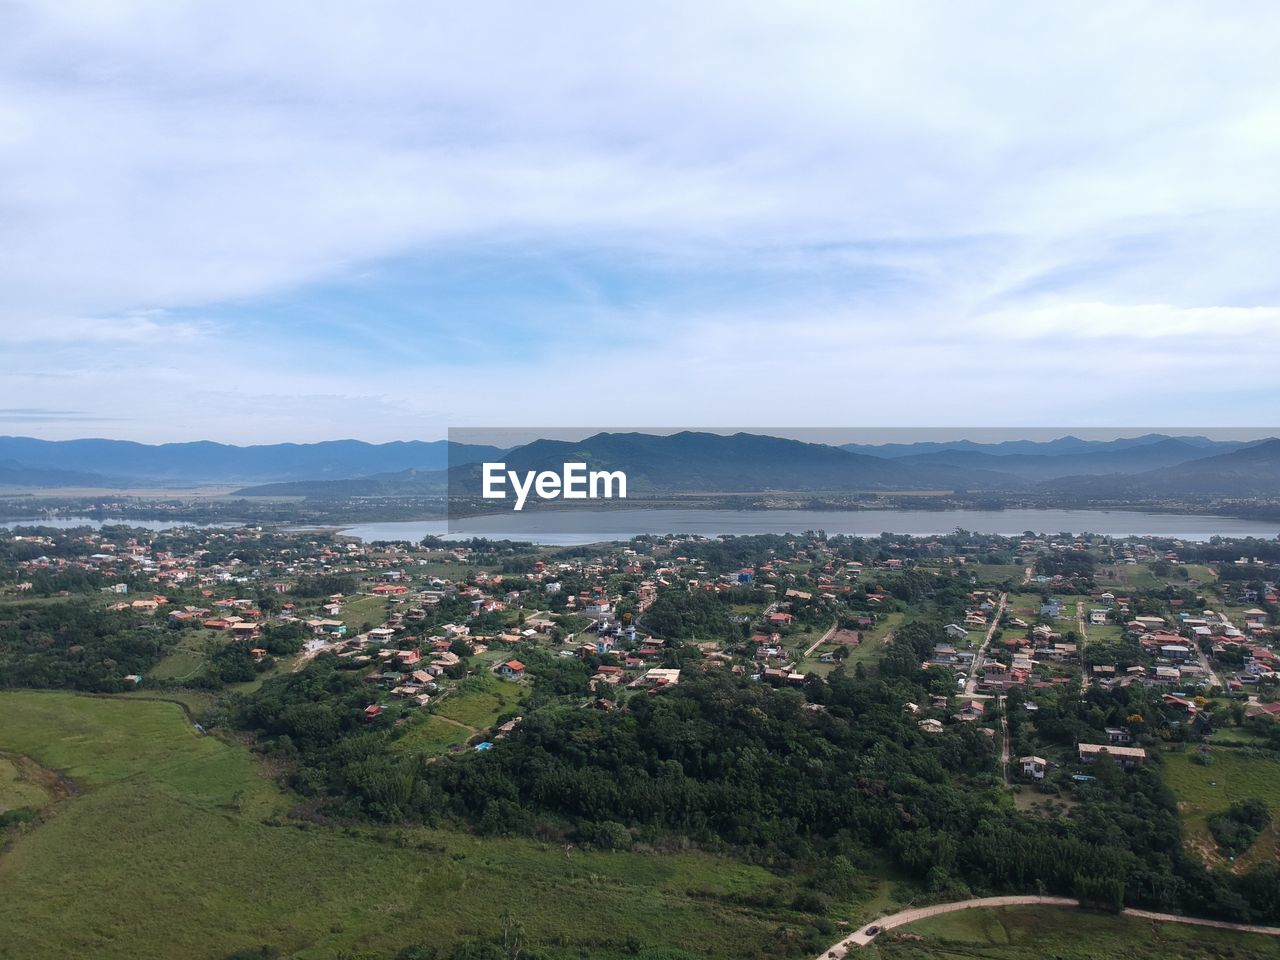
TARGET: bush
(1238,826)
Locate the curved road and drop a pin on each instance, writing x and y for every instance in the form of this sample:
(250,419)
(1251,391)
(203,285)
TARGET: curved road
(904,917)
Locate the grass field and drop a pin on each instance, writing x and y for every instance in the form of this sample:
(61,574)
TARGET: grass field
(461,715)
(995,573)
(1233,775)
(358,611)
(872,646)
(483,701)
(429,734)
(20,784)
(177,847)
(1055,933)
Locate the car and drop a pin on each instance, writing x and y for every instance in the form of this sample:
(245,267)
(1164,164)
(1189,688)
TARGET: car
(872,930)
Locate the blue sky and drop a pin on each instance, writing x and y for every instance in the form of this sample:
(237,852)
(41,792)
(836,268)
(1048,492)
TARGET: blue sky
(305,220)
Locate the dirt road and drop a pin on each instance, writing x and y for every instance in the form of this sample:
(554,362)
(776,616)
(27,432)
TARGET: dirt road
(972,683)
(822,639)
(861,938)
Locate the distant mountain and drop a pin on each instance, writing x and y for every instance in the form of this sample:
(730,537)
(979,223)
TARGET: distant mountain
(1049,448)
(207,462)
(691,462)
(712,463)
(15,474)
(1251,471)
(679,463)
(405,483)
(1136,458)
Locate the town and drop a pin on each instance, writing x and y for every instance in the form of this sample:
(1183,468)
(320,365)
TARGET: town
(1042,667)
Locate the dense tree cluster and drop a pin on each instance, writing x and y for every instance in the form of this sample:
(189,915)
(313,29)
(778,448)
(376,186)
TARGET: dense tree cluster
(69,644)
(681,615)
(1238,826)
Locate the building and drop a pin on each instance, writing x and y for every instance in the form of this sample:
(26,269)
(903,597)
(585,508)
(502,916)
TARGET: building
(1125,756)
(1033,767)
(512,670)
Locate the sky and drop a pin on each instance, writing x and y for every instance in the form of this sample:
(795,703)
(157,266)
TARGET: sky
(294,221)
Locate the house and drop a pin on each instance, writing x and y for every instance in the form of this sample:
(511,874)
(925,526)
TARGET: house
(1033,767)
(930,726)
(512,670)
(1097,616)
(1125,756)
(955,632)
(661,677)
(1269,711)
(1119,736)
(372,711)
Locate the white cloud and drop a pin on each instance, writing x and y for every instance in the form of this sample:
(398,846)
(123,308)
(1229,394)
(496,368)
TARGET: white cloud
(1146,321)
(1022,173)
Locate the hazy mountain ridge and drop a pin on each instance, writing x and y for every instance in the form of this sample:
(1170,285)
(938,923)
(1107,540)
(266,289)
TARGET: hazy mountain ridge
(16,474)
(1132,459)
(685,462)
(1252,471)
(203,462)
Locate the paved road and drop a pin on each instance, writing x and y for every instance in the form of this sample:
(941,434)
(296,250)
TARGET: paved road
(972,683)
(904,917)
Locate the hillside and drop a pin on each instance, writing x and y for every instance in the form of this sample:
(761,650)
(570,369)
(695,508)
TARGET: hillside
(1136,458)
(207,462)
(1248,472)
(704,462)
(15,474)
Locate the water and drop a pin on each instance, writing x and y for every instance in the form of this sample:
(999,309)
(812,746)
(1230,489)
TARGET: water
(68,523)
(569,528)
(573,527)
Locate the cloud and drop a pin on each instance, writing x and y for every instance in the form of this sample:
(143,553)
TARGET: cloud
(1147,321)
(715,201)
(43,415)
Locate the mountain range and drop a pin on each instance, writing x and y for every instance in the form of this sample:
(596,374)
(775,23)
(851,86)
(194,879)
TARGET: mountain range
(1151,465)
(123,463)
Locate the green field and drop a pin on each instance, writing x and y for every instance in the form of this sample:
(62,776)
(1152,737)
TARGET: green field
(1057,933)
(358,611)
(179,665)
(1232,776)
(482,701)
(429,734)
(20,784)
(461,715)
(178,846)
(995,573)
(871,649)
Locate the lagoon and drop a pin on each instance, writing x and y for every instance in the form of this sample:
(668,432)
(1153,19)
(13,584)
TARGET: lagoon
(575,527)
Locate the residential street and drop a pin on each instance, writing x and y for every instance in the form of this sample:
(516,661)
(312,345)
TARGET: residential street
(972,683)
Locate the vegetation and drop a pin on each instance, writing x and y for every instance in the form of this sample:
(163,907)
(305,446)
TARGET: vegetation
(1033,933)
(75,645)
(1236,827)
(226,872)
